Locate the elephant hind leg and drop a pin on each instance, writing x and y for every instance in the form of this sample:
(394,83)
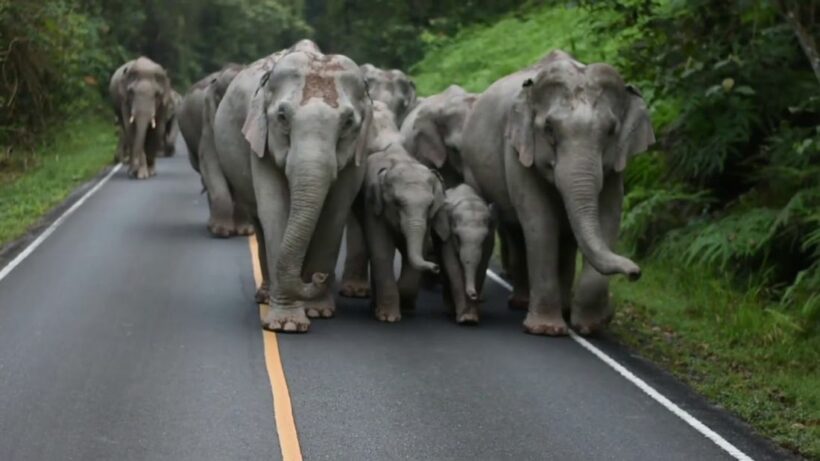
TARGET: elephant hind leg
(355,277)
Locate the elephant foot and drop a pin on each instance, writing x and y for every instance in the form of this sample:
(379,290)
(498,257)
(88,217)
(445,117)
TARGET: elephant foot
(262,293)
(219,228)
(355,288)
(152,171)
(286,319)
(389,314)
(323,308)
(244,229)
(590,321)
(545,324)
(139,172)
(518,302)
(468,316)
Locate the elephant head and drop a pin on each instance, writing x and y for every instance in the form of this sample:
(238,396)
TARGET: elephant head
(147,92)
(465,221)
(392,87)
(408,195)
(575,124)
(435,134)
(311,115)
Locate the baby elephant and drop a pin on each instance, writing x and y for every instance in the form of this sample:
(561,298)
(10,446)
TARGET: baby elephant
(464,231)
(401,197)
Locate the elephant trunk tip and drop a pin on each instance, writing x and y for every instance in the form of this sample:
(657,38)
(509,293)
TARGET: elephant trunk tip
(619,265)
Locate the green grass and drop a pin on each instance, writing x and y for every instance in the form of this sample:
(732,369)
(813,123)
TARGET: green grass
(729,345)
(726,341)
(32,183)
(478,56)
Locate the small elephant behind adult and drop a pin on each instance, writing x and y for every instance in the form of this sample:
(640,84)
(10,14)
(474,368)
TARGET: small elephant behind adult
(397,92)
(432,132)
(196,120)
(140,92)
(392,87)
(401,198)
(464,237)
(172,123)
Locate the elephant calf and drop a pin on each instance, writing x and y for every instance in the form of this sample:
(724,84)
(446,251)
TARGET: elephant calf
(464,231)
(401,197)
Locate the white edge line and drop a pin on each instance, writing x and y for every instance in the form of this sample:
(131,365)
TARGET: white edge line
(646,388)
(50,230)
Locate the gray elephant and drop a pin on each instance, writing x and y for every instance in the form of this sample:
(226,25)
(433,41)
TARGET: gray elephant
(392,87)
(464,237)
(432,132)
(548,146)
(141,95)
(196,120)
(291,134)
(401,198)
(395,89)
(172,124)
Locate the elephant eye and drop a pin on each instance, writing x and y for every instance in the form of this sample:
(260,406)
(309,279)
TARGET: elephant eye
(282,118)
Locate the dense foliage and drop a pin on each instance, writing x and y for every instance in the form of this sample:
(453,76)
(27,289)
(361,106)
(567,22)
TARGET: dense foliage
(733,184)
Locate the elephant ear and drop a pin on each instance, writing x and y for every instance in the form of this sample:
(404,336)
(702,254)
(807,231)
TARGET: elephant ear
(427,140)
(441,224)
(255,128)
(373,191)
(364,133)
(519,130)
(636,133)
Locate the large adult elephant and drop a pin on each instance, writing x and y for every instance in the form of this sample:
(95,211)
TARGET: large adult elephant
(548,145)
(398,92)
(291,135)
(196,121)
(140,92)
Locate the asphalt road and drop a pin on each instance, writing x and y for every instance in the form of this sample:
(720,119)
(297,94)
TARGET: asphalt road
(130,334)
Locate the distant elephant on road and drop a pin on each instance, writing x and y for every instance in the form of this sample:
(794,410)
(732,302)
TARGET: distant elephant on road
(464,237)
(398,92)
(141,94)
(291,135)
(172,124)
(548,146)
(401,198)
(196,121)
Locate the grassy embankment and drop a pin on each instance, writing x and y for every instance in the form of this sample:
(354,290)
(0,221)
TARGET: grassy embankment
(34,182)
(727,342)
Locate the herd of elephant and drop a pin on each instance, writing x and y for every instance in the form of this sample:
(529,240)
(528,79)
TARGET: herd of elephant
(301,147)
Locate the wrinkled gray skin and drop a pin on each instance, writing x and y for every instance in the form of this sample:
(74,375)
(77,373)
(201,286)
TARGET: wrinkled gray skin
(196,120)
(464,236)
(432,132)
(548,146)
(140,92)
(172,124)
(401,198)
(290,136)
(398,93)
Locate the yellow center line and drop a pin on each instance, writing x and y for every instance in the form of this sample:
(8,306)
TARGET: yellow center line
(282,409)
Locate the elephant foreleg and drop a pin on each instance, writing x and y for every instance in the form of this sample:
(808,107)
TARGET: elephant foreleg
(221,220)
(355,278)
(382,250)
(323,251)
(409,282)
(465,313)
(263,290)
(591,307)
(512,234)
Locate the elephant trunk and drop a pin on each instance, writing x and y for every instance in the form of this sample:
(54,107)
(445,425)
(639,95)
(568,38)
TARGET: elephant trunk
(309,186)
(579,179)
(139,126)
(469,263)
(415,231)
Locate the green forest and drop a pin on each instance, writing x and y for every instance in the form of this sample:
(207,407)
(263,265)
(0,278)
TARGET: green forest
(723,212)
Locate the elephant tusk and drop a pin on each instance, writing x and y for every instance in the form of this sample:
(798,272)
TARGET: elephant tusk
(131,120)
(153,122)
